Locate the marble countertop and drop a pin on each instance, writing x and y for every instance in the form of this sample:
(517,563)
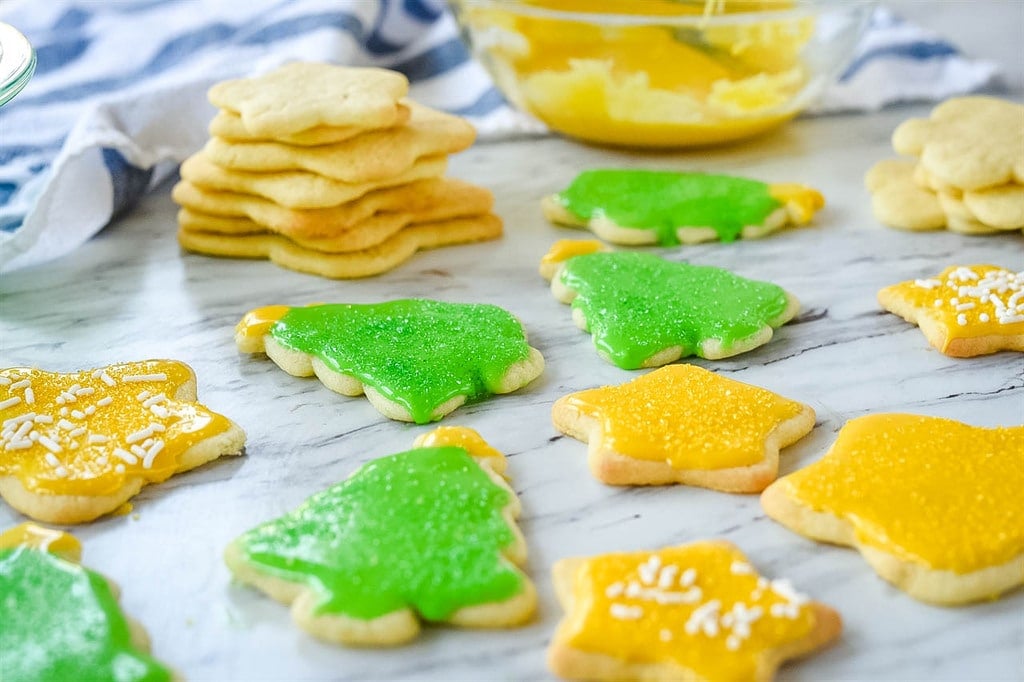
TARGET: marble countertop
(131,294)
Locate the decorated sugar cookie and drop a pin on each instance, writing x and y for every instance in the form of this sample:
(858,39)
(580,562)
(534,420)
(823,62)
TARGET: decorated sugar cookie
(415,359)
(645,311)
(932,504)
(62,621)
(965,310)
(428,534)
(669,208)
(692,612)
(684,424)
(79,445)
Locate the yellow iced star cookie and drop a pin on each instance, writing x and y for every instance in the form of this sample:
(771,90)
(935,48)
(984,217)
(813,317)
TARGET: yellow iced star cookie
(692,612)
(76,446)
(932,504)
(684,424)
(965,310)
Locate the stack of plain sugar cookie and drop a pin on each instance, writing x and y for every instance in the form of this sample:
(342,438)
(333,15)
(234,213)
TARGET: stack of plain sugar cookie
(968,172)
(329,170)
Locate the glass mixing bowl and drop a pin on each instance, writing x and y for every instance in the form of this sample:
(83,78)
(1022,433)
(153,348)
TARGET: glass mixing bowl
(662,73)
(17,62)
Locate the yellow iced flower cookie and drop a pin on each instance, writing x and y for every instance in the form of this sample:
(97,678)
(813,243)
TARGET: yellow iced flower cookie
(965,310)
(79,445)
(932,504)
(692,612)
(684,424)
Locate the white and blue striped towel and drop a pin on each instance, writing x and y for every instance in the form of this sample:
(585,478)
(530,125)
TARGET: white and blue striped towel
(118,97)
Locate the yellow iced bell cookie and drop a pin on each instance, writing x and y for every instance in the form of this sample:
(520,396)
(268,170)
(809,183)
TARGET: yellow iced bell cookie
(965,310)
(932,504)
(79,445)
(693,612)
(684,424)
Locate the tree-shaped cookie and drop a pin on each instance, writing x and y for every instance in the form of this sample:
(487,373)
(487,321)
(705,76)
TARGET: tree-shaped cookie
(415,359)
(965,310)
(645,311)
(628,206)
(932,504)
(692,612)
(425,534)
(60,621)
(79,445)
(303,95)
(684,424)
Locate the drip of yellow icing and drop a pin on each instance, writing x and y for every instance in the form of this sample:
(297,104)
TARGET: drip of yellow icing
(564,249)
(934,491)
(46,539)
(969,301)
(256,323)
(671,606)
(801,201)
(465,438)
(688,417)
(86,433)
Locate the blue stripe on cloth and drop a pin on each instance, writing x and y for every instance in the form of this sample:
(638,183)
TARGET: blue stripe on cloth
(917,51)
(6,190)
(130,182)
(73,18)
(485,104)
(11,152)
(376,43)
(55,55)
(435,61)
(424,12)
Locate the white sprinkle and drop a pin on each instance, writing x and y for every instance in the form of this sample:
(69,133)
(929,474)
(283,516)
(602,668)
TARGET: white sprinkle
(927,283)
(158,376)
(633,589)
(785,589)
(61,401)
(95,438)
(1010,319)
(158,398)
(61,472)
(625,612)
(741,568)
(96,373)
(147,463)
(667,577)
(51,460)
(65,424)
(157,427)
(91,410)
(143,395)
(146,443)
(103,402)
(28,416)
(30,396)
(107,379)
(961,320)
(125,455)
(74,388)
(691,596)
(78,414)
(159,411)
(119,468)
(688,577)
(77,432)
(34,436)
(18,445)
(4,381)
(983,317)
(73,445)
(613,590)
(23,429)
(138,451)
(63,411)
(18,385)
(701,616)
(49,444)
(732,643)
(10,402)
(102,460)
(67,398)
(965,306)
(141,434)
(665,635)
(87,390)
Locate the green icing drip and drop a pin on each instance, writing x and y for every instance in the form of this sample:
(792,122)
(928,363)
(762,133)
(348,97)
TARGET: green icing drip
(61,622)
(637,304)
(417,353)
(664,201)
(422,529)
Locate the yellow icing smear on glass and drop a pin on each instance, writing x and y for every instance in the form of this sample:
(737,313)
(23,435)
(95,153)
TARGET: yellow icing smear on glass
(86,433)
(934,491)
(701,606)
(650,85)
(688,417)
(969,300)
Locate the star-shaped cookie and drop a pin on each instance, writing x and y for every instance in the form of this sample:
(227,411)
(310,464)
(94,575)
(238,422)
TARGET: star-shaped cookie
(415,359)
(303,95)
(427,534)
(645,311)
(684,424)
(62,621)
(692,612)
(964,311)
(79,445)
(932,504)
